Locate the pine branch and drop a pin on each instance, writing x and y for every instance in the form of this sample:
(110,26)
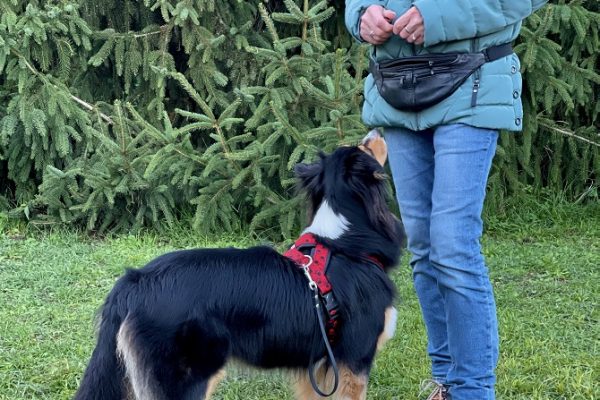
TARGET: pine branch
(79,101)
(569,134)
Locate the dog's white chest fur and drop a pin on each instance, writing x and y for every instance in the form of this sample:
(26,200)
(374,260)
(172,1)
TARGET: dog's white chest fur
(327,223)
(391,317)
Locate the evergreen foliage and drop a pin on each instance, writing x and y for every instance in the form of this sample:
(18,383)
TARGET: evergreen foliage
(560,147)
(120,114)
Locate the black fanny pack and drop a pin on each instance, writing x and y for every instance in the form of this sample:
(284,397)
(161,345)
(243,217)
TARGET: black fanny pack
(419,82)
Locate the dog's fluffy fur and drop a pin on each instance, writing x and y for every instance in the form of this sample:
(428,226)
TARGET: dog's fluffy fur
(167,329)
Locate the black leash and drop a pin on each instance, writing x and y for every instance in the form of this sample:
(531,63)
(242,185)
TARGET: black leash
(311,368)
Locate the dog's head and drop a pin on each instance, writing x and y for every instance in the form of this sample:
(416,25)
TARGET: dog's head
(348,193)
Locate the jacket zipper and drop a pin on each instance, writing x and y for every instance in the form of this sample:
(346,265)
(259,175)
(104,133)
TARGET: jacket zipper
(477,75)
(476,84)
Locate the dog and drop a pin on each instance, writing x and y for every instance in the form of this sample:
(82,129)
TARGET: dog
(167,330)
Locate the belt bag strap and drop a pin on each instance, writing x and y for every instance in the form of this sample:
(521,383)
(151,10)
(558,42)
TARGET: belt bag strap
(497,52)
(419,82)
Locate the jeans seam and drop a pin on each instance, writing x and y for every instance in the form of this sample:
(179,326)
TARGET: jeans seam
(481,274)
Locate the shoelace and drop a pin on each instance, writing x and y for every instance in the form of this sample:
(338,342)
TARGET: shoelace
(438,391)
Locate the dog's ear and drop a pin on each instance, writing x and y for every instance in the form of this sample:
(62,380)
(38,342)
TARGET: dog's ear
(364,167)
(308,175)
(310,180)
(374,145)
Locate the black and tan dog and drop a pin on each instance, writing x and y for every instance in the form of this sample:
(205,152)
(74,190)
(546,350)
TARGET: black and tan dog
(168,329)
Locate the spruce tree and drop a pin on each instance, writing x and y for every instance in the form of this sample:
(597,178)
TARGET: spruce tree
(560,146)
(117,115)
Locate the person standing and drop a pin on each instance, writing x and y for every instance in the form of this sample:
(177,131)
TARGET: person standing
(444,80)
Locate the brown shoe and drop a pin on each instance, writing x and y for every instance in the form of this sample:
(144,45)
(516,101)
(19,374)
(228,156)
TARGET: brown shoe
(438,391)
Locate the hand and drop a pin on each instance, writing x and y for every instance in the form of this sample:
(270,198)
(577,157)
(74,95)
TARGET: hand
(410,26)
(375,24)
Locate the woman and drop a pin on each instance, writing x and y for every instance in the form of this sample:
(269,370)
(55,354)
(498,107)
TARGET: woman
(440,158)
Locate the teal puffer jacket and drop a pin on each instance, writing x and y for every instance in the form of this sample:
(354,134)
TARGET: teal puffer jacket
(454,26)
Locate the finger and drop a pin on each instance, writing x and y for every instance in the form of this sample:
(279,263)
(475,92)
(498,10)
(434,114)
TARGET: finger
(374,39)
(379,37)
(382,21)
(413,25)
(389,15)
(417,34)
(380,28)
(384,25)
(404,19)
(413,38)
(366,31)
(377,42)
(375,16)
(401,23)
(373,35)
(420,40)
(410,28)
(420,31)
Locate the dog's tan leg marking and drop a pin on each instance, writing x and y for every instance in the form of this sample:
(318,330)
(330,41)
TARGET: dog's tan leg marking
(391,316)
(213,383)
(303,389)
(352,386)
(139,379)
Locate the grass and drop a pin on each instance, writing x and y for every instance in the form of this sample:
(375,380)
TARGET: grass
(544,261)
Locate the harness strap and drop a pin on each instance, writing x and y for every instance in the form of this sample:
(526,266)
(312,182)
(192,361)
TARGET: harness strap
(375,261)
(317,269)
(307,247)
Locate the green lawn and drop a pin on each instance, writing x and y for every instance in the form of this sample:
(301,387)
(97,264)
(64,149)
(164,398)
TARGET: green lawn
(545,269)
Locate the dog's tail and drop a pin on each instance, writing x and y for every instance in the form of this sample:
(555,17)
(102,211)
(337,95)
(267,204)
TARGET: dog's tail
(104,376)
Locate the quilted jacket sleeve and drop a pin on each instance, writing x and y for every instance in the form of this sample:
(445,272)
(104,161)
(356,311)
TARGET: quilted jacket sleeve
(449,20)
(354,10)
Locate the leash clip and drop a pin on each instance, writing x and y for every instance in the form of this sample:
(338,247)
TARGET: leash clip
(311,283)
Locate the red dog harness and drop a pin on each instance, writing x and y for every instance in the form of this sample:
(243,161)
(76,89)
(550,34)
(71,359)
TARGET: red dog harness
(308,252)
(313,257)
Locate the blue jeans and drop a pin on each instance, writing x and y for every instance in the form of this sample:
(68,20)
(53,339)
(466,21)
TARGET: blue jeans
(440,177)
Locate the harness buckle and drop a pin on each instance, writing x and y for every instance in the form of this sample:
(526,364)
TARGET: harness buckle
(330,302)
